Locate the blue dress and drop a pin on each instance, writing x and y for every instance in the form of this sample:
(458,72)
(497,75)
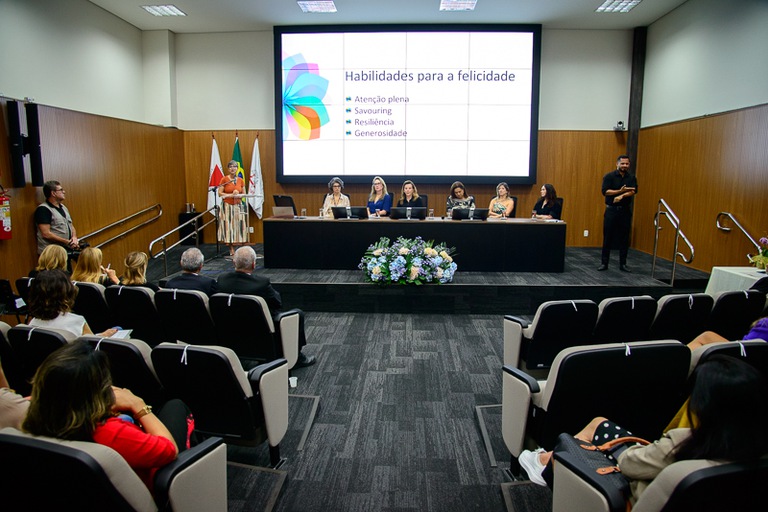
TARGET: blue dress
(384,203)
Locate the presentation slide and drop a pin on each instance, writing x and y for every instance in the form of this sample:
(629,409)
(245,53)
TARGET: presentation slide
(427,104)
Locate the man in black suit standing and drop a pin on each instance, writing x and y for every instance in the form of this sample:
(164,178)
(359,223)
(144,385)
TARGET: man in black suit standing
(243,281)
(190,279)
(619,188)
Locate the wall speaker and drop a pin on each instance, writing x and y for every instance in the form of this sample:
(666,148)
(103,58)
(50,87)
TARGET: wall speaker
(32,144)
(16,143)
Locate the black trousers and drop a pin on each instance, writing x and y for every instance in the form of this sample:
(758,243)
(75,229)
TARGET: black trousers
(174,414)
(617,223)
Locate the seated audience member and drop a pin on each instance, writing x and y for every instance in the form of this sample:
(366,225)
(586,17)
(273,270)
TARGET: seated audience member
(502,205)
(53,257)
(13,407)
(548,207)
(90,270)
(73,398)
(334,197)
(244,282)
(379,202)
(136,271)
(190,279)
(757,331)
(458,198)
(727,412)
(51,299)
(409,196)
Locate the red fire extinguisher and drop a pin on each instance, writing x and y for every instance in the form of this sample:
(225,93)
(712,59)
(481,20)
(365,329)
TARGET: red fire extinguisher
(5,215)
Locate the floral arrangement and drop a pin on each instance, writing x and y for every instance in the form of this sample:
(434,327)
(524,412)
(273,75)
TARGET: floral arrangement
(760,260)
(408,261)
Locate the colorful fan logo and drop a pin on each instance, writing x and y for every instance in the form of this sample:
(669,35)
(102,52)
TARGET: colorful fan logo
(303,92)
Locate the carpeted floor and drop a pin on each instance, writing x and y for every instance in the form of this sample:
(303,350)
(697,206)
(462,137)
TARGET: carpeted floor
(396,428)
(253,489)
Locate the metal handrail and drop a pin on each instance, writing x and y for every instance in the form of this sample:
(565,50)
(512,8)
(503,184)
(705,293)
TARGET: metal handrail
(675,221)
(727,229)
(162,238)
(122,221)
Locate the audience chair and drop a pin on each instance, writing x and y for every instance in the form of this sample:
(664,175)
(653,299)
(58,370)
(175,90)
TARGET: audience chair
(86,476)
(734,311)
(639,385)
(557,325)
(32,345)
(185,316)
(624,319)
(133,307)
(10,362)
(22,286)
(244,324)
(130,362)
(244,408)
(700,485)
(9,304)
(91,302)
(754,352)
(681,317)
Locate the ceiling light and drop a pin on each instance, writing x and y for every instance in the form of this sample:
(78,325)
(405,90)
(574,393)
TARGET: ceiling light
(163,10)
(618,5)
(457,5)
(317,6)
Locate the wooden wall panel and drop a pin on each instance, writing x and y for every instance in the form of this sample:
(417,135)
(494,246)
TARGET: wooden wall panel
(701,167)
(110,168)
(574,162)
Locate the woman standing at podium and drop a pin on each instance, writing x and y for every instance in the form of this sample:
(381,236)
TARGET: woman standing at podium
(232,220)
(334,197)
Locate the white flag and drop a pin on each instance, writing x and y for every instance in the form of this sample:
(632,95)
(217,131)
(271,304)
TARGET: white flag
(255,183)
(215,176)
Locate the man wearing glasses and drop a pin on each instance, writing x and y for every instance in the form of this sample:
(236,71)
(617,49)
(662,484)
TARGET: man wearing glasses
(54,223)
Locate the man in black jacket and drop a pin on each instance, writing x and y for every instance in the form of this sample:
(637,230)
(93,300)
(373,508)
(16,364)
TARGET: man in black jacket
(243,281)
(190,279)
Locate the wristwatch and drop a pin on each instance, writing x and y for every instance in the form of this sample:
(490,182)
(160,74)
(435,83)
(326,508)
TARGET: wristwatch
(147,409)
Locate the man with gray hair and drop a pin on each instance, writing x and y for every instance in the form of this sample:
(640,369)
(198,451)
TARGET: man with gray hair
(190,279)
(243,281)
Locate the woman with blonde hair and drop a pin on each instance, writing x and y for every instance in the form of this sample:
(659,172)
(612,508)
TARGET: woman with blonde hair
(379,202)
(501,205)
(90,270)
(136,271)
(53,257)
(409,196)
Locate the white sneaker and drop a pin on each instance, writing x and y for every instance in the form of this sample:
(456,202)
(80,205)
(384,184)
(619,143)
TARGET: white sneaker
(529,461)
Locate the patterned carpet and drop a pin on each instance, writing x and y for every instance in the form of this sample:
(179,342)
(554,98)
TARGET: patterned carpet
(396,427)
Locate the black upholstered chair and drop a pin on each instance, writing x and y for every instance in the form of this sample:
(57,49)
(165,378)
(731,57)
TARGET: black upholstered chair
(130,363)
(8,302)
(622,319)
(91,302)
(22,286)
(245,408)
(87,476)
(255,335)
(754,352)
(185,316)
(734,311)
(681,317)
(31,345)
(639,385)
(11,364)
(133,307)
(557,325)
(700,485)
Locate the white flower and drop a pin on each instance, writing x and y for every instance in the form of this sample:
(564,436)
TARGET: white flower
(430,251)
(378,252)
(376,271)
(439,272)
(414,272)
(445,256)
(403,251)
